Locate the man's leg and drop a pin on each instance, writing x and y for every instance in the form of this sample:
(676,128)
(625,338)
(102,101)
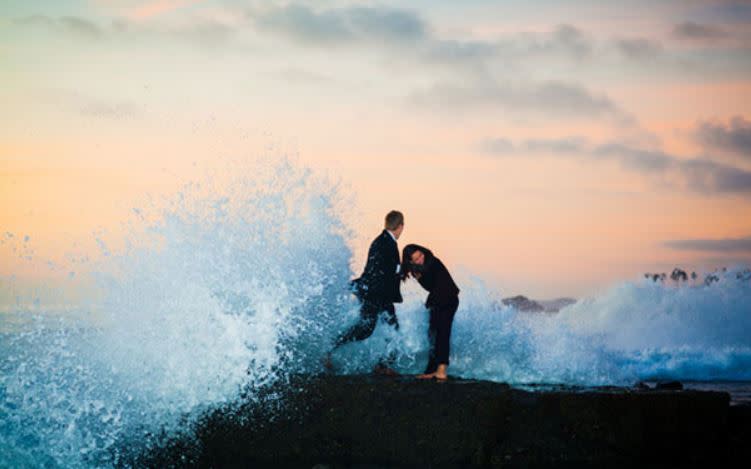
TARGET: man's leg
(363,328)
(385,365)
(391,315)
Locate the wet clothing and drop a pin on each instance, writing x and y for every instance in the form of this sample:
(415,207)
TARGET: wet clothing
(377,289)
(439,334)
(435,278)
(364,328)
(379,282)
(443,301)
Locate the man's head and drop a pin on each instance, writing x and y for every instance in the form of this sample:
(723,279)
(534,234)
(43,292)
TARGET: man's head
(394,223)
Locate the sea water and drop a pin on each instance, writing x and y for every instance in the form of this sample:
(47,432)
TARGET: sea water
(227,287)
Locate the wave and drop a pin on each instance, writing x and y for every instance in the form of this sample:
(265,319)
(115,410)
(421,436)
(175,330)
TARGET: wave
(233,285)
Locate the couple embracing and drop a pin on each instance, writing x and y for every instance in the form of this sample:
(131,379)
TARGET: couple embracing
(378,290)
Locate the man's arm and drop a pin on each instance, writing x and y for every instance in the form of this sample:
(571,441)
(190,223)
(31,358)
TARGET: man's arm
(374,268)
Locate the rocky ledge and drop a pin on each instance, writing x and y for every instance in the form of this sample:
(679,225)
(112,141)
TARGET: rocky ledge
(345,421)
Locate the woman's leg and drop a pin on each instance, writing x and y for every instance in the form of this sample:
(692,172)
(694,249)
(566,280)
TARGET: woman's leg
(432,329)
(443,342)
(444,318)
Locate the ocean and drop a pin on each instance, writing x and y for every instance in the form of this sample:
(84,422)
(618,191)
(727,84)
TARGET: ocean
(218,293)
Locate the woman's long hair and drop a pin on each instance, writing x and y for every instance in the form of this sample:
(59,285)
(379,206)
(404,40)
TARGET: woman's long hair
(407,265)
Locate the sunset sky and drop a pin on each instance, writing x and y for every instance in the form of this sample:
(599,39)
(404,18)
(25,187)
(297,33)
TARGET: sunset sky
(550,147)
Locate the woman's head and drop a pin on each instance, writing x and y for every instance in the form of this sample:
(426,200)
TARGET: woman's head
(415,258)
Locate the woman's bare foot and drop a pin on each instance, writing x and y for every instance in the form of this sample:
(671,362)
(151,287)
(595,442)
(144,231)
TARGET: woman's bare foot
(440,373)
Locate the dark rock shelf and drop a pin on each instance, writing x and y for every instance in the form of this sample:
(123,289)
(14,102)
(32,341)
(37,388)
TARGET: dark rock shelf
(345,421)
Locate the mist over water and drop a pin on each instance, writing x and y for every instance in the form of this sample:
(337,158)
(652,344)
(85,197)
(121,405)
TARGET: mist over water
(237,282)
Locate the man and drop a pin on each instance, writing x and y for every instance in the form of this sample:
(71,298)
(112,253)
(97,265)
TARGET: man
(378,286)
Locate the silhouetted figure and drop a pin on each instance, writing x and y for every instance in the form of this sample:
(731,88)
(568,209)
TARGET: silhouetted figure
(378,286)
(443,301)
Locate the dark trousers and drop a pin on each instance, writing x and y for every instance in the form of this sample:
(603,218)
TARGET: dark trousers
(364,328)
(439,334)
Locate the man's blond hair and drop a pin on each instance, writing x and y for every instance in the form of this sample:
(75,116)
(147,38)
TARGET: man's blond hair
(393,219)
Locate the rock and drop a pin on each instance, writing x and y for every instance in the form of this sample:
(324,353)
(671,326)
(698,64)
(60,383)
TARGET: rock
(522,303)
(710,279)
(346,421)
(656,277)
(669,386)
(553,306)
(678,275)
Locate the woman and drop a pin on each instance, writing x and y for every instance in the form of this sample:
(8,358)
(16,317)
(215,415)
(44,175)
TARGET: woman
(443,300)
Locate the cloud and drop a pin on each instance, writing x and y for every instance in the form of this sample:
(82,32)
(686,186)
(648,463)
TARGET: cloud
(735,137)
(453,51)
(570,39)
(154,8)
(383,27)
(634,158)
(728,11)
(299,76)
(204,32)
(696,175)
(550,97)
(89,106)
(570,145)
(639,48)
(80,26)
(343,25)
(71,25)
(106,109)
(498,147)
(726,245)
(505,147)
(695,31)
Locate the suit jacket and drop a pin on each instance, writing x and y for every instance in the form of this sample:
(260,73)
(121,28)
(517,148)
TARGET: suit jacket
(380,282)
(437,280)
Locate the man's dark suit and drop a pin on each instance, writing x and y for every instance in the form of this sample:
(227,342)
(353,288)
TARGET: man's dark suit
(378,288)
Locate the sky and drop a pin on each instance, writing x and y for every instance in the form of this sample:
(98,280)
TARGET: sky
(552,148)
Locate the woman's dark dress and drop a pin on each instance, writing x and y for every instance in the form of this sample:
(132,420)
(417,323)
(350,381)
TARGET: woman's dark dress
(443,301)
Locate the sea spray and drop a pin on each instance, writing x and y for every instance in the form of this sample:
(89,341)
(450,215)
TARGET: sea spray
(634,331)
(240,280)
(219,290)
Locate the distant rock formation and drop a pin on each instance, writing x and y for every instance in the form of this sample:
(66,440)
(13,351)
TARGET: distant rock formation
(679,276)
(522,303)
(711,278)
(553,306)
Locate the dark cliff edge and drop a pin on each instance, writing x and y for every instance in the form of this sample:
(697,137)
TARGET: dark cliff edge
(345,421)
